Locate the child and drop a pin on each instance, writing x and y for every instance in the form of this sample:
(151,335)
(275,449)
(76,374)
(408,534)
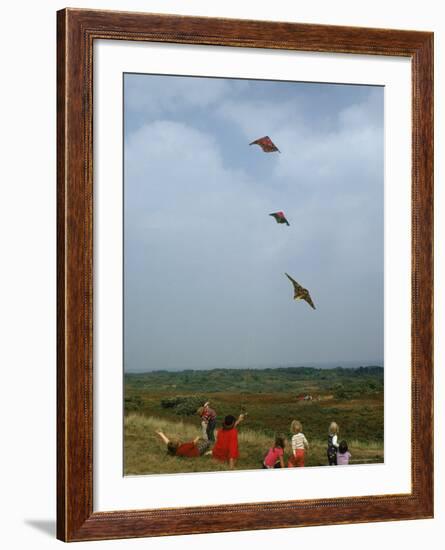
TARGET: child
(204,424)
(226,446)
(343,454)
(208,419)
(190,449)
(299,445)
(333,444)
(274,457)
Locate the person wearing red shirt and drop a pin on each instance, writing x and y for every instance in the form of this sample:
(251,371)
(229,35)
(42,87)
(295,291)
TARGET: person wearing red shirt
(226,446)
(209,417)
(190,449)
(274,457)
(208,421)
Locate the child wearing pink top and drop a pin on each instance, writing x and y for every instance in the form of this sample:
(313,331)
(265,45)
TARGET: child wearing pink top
(274,457)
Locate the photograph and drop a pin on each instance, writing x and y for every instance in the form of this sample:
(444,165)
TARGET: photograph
(253,274)
(244,272)
(223,254)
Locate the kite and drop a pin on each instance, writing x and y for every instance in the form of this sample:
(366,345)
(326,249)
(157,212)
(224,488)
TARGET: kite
(300,293)
(279,217)
(266,144)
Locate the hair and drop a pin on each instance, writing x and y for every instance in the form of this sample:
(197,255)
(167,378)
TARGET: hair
(296,427)
(229,422)
(343,447)
(279,441)
(200,410)
(333,428)
(172,447)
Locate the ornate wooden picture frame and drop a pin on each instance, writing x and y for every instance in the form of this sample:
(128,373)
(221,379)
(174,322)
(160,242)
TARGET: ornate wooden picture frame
(77,31)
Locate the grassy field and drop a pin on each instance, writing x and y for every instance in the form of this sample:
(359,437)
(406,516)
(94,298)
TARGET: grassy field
(145,453)
(351,397)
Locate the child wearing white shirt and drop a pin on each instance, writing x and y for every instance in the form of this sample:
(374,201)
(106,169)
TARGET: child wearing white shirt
(299,445)
(333,444)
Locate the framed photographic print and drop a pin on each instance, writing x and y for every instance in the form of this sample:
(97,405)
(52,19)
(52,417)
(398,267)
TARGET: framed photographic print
(245,227)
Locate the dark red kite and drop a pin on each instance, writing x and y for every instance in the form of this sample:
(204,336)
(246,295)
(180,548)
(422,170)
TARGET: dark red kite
(301,293)
(279,217)
(266,144)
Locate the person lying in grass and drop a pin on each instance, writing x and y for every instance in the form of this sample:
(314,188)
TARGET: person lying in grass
(190,449)
(226,446)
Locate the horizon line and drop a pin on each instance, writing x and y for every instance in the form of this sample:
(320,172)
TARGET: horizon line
(178,370)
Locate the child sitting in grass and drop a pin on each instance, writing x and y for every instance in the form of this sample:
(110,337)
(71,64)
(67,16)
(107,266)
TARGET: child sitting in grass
(190,449)
(343,455)
(274,457)
(333,444)
(299,445)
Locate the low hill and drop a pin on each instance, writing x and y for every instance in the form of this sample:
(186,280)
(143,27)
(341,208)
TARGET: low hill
(353,382)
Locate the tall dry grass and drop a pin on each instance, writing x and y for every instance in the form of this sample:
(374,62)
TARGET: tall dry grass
(145,453)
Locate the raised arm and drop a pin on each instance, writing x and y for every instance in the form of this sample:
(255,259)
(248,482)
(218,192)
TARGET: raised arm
(162,435)
(240,419)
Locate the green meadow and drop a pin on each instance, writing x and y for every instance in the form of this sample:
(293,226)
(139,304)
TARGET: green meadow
(272,398)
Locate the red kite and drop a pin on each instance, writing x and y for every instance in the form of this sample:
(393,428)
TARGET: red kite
(300,293)
(266,144)
(279,217)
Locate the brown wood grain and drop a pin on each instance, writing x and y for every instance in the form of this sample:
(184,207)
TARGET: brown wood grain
(76,32)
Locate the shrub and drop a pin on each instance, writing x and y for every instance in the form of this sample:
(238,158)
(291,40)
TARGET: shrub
(183,406)
(188,406)
(340,392)
(133,404)
(171,402)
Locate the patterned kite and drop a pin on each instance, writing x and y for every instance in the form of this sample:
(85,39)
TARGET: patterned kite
(300,293)
(279,217)
(266,144)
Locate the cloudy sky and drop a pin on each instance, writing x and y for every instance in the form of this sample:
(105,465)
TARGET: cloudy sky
(204,264)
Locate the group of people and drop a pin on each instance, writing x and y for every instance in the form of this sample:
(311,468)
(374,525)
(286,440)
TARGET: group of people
(224,447)
(337,451)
